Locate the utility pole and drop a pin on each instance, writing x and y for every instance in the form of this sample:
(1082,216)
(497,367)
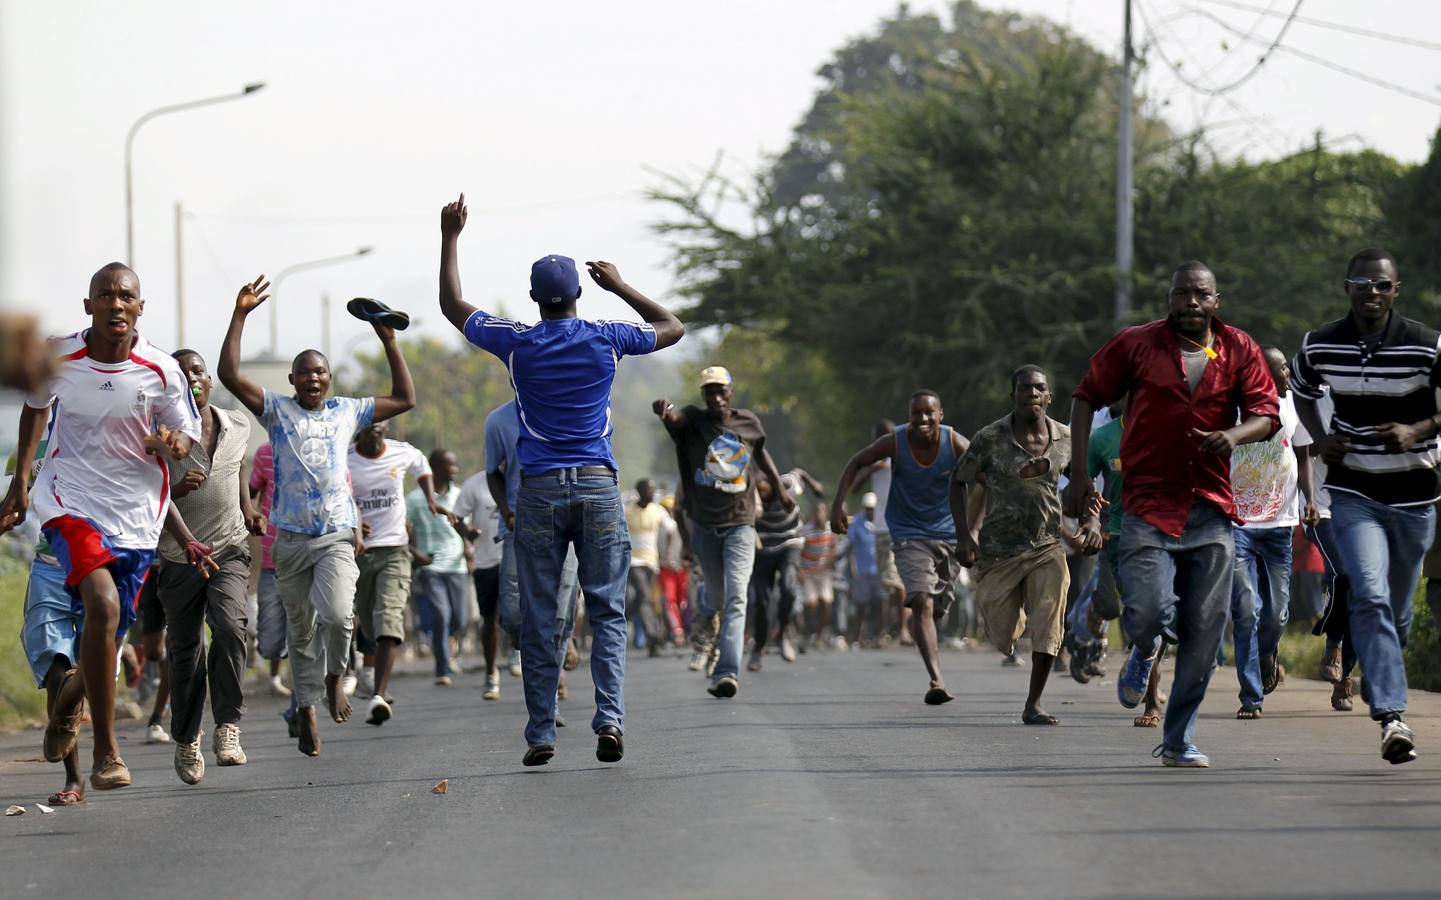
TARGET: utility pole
(1125,190)
(179,279)
(325,324)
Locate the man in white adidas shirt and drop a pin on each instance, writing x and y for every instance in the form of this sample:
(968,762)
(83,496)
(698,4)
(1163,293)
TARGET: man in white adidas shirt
(103,491)
(378,467)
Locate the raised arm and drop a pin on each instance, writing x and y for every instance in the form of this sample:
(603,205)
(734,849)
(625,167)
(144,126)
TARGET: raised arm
(452,221)
(247,391)
(402,389)
(669,416)
(668,329)
(810,482)
(17,499)
(768,468)
(884,447)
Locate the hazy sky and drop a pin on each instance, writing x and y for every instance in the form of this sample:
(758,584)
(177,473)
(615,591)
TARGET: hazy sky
(552,117)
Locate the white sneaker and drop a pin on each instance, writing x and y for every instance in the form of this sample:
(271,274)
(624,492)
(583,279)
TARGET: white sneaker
(697,661)
(189,764)
(840,642)
(225,744)
(515,663)
(347,683)
(492,686)
(155,734)
(365,684)
(379,711)
(788,650)
(711,660)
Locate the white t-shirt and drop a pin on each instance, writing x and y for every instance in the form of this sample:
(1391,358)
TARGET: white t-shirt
(379,486)
(477,507)
(96,466)
(1264,475)
(1325,408)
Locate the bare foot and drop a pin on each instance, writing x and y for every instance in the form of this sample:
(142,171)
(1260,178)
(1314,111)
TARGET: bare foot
(339,703)
(309,731)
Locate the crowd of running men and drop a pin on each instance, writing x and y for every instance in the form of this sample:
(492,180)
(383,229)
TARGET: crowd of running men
(1171,502)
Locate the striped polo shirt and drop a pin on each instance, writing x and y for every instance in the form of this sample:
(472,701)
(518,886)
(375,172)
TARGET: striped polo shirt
(1373,383)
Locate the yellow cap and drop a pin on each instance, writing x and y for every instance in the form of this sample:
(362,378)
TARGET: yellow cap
(715,375)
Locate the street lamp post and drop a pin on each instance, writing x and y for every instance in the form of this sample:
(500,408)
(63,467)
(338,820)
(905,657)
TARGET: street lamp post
(130,140)
(291,270)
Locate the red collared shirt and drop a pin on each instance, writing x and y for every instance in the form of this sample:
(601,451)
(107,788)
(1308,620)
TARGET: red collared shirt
(1166,471)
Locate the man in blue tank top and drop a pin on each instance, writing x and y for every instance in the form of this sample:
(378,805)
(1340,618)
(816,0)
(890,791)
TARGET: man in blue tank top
(923,455)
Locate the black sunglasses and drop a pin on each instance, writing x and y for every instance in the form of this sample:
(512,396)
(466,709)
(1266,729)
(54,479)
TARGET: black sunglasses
(1382,285)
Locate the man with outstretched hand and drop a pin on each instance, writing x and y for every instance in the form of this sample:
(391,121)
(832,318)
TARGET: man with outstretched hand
(313,509)
(121,409)
(563,368)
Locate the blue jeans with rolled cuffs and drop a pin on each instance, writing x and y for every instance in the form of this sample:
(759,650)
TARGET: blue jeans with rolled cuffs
(1179,587)
(1381,549)
(553,512)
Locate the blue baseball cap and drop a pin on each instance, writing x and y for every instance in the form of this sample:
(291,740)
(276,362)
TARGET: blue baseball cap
(553,279)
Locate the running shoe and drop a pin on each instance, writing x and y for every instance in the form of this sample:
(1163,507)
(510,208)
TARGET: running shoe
(444,681)
(726,687)
(277,687)
(379,711)
(1131,686)
(492,686)
(697,661)
(515,663)
(155,734)
(1096,659)
(711,660)
(839,643)
(1079,658)
(1341,693)
(788,650)
(1013,661)
(225,744)
(189,764)
(1188,758)
(1398,742)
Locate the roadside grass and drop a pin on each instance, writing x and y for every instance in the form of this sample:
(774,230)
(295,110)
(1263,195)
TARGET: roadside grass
(20,702)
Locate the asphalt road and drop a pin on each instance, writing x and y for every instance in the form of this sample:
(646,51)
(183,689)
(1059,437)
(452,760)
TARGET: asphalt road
(825,778)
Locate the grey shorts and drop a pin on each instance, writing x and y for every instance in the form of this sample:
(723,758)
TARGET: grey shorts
(928,568)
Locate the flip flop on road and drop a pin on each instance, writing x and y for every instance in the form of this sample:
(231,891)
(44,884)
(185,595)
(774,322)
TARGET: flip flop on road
(368,310)
(1147,720)
(1039,717)
(936,696)
(66,798)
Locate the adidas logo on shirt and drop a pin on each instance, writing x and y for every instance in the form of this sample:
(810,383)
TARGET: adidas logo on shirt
(107,386)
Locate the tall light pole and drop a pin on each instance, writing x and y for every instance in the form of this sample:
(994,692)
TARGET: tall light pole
(291,270)
(1125,190)
(130,141)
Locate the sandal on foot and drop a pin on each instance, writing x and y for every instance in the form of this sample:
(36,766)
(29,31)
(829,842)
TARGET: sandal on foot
(1039,717)
(1147,720)
(66,798)
(1249,712)
(111,773)
(936,696)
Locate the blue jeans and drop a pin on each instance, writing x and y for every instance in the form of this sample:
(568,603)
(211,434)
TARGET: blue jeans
(727,556)
(445,597)
(1178,587)
(1260,602)
(553,512)
(1381,548)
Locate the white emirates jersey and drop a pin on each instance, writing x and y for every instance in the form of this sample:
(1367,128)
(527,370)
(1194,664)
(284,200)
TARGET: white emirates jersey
(96,466)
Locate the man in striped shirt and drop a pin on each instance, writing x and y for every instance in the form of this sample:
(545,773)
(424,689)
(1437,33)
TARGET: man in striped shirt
(1381,450)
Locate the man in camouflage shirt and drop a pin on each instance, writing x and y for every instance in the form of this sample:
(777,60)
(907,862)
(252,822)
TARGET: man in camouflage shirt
(1022,560)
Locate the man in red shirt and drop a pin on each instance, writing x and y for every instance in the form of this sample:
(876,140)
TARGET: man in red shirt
(1190,379)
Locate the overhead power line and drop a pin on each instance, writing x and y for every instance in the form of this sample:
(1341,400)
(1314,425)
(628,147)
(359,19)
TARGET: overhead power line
(1313,58)
(1334,26)
(1211,90)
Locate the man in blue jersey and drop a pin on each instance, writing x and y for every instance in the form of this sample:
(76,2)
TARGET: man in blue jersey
(923,455)
(562,368)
